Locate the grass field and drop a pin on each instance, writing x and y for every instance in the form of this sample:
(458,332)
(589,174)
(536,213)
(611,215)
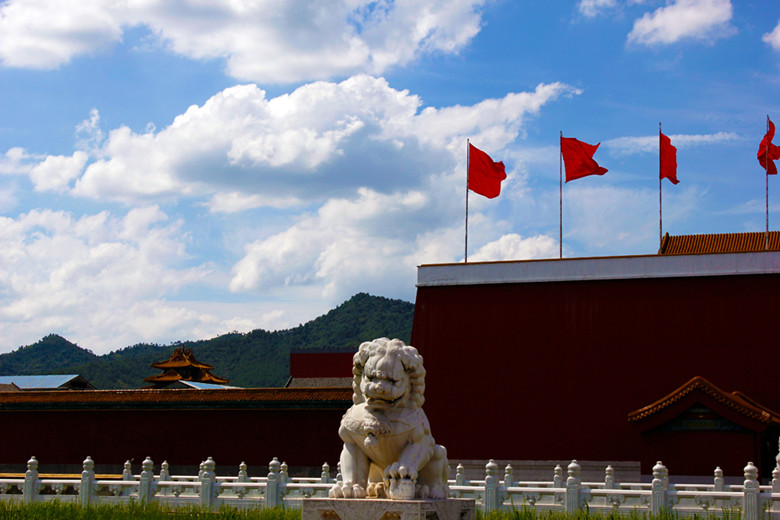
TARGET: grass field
(135,511)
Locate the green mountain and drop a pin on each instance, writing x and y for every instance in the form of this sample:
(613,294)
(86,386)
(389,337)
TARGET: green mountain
(255,359)
(51,355)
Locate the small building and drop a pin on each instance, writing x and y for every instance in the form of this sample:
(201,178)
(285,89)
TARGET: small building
(183,368)
(698,417)
(47,382)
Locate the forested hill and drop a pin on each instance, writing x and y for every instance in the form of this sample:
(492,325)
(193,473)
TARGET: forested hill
(255,359)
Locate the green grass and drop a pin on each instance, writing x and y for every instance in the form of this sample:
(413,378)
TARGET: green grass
(137,511)
(526,513)
(134,511)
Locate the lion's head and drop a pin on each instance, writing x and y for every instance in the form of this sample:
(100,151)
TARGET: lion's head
(387,373)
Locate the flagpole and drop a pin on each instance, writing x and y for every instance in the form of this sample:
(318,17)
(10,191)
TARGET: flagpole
(766,171)
(560,196)
(466,241)
(660,203)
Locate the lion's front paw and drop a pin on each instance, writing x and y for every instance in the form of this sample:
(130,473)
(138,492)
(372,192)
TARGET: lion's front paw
(335,491)
(350,490)
(397,471)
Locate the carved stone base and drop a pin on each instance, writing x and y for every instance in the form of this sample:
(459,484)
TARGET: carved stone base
(370,509)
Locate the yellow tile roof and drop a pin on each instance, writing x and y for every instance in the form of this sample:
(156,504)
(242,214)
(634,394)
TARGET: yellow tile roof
(719,243)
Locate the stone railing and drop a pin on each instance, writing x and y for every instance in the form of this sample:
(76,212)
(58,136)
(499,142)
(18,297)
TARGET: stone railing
(750,500)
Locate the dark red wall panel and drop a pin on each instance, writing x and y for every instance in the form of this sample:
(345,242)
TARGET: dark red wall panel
(550,370)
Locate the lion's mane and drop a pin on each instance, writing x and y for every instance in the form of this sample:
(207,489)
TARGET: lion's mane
(411,360)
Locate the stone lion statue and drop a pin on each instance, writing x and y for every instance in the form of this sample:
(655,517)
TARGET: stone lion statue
(388,447)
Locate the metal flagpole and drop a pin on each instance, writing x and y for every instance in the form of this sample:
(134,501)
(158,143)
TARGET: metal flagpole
(466,246)
(660,205)
(560,196)
(766,171)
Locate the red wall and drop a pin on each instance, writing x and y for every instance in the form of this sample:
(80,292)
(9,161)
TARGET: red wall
(321,364)
(550,370)
(182,437)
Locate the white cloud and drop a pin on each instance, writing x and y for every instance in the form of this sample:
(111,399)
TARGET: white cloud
(362,182)
(773,38)
(235,202)
(617,220)
(320,141)
(265,41)
(684,19)
(98,278)
(45,34)
(514,247)
(591,8)
(646,144)
(346,245)
(56,171)
(15,162)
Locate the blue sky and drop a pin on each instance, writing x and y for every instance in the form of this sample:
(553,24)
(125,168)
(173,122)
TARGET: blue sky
(175,171)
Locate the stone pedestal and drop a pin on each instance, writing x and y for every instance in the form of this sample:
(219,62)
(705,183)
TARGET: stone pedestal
(369,509)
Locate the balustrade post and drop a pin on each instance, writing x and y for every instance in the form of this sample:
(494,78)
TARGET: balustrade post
(558,476)
(460,475)
(509,480)
(146,485)
(273,490)
(775,488)
(718,483)
(751,508)
(609,478)
(165,471)
(572,502)
(325,475)
(127,471)
(284,473)
(208,485)
(243,474)
(659,488)
(127,475)
(490,499)
(165,475)
(86,489)
(30,491)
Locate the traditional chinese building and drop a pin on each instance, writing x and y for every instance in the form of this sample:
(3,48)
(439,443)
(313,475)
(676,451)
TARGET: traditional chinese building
(182,367)
(555,359)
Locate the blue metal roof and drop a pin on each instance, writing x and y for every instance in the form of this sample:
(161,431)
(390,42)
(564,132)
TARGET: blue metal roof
(205,386)
(39,382)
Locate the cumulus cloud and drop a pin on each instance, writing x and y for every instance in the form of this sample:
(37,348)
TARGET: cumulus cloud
(647,144)
(773,38)
(265,41)
(345,245)
(56,171)
(514,247)
(85,276)
(321,140)
(591,8)
(684,19)
(621,220)
(359,178)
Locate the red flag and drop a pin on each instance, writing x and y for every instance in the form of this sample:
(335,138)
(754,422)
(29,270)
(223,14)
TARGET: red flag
(485,175)
(767,152)
(578,158)
(668,169)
